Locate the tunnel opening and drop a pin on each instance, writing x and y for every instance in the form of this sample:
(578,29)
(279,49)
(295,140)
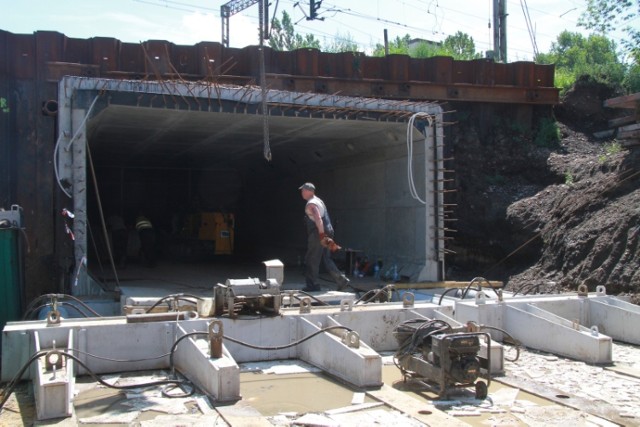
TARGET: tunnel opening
(199,175)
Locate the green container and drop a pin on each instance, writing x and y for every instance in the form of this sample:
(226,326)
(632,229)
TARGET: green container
(10,276)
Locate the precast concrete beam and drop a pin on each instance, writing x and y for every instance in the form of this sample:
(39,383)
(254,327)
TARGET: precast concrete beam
(611,315)
(265,338)
(53,380)
(539,329)
(360,366)
(110,338)
(535,327)
(375,322)
(616,318)
(218,377)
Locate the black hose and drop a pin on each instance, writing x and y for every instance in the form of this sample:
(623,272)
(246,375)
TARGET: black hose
(120,360)
(16,379)
(319,301)
(376,293)
(514,341)
(60,297)
(179,297)
(255,347)
(293,344)
(12,384)
(479,288)
(446,292)
(62,303)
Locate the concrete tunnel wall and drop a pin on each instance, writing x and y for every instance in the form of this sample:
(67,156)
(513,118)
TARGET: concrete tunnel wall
(368,199)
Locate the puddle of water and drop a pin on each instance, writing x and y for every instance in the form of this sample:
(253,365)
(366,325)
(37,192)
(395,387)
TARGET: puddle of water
(300,393)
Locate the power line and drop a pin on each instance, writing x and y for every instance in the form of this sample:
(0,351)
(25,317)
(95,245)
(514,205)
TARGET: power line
(168,4)
(439,15)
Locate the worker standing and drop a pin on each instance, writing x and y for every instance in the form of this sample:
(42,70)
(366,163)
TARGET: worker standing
(319,227)
(147,237)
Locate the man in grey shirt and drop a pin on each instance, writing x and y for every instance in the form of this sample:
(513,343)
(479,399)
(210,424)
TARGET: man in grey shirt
(318,226)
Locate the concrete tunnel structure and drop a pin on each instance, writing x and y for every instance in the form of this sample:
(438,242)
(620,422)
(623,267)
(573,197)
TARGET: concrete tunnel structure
(161,147)
(157,146)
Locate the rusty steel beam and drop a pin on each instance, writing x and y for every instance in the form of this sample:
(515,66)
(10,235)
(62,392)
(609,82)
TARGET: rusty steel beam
(415,90)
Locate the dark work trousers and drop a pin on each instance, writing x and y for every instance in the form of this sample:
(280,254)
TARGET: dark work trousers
(315,255)
(148,246)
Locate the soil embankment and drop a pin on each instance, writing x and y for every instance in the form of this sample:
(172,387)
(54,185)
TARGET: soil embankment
(548,217)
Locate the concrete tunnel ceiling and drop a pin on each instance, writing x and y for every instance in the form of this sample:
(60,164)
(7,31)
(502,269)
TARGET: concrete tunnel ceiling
(130,136)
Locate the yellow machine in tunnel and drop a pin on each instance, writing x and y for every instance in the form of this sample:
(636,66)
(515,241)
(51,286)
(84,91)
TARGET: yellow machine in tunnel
(216,227)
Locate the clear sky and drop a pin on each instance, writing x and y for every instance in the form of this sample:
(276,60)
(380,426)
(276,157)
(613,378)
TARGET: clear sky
(190,21)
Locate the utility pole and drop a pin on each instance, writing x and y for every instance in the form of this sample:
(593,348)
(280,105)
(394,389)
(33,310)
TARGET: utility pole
(500,30)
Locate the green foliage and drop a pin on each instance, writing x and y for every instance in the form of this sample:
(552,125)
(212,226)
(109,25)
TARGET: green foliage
(606,16)
(568,178)
(283,37)
(564,79)
(631,81)
(548,133)
(398,46)
(576,56)
(610,150)
(428,50)
(459,46)
(4,105)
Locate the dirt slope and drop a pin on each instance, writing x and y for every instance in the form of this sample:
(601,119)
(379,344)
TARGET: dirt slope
(548,217)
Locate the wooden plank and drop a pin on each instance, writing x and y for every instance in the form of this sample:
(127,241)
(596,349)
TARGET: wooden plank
(624,120)
(599,409)
(423,411)
(635,126)
(628,101)
(629,134)
(445,284)
(628,143)
(624,370)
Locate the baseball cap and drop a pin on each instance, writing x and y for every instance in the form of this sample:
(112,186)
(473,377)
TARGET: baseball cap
(307,186)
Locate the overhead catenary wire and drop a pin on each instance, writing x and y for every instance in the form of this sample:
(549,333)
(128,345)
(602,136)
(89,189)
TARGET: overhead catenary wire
(442,14)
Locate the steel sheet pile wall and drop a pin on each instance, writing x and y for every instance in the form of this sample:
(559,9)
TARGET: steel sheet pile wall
(31,65)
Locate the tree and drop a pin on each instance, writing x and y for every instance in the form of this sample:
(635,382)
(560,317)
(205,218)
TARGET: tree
(398,46)
(283,37)
(605,16)
(342,43)
(460,46)
(576,56)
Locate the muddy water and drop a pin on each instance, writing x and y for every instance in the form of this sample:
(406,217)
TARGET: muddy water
(317,392)
(272,394)
(300,393)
